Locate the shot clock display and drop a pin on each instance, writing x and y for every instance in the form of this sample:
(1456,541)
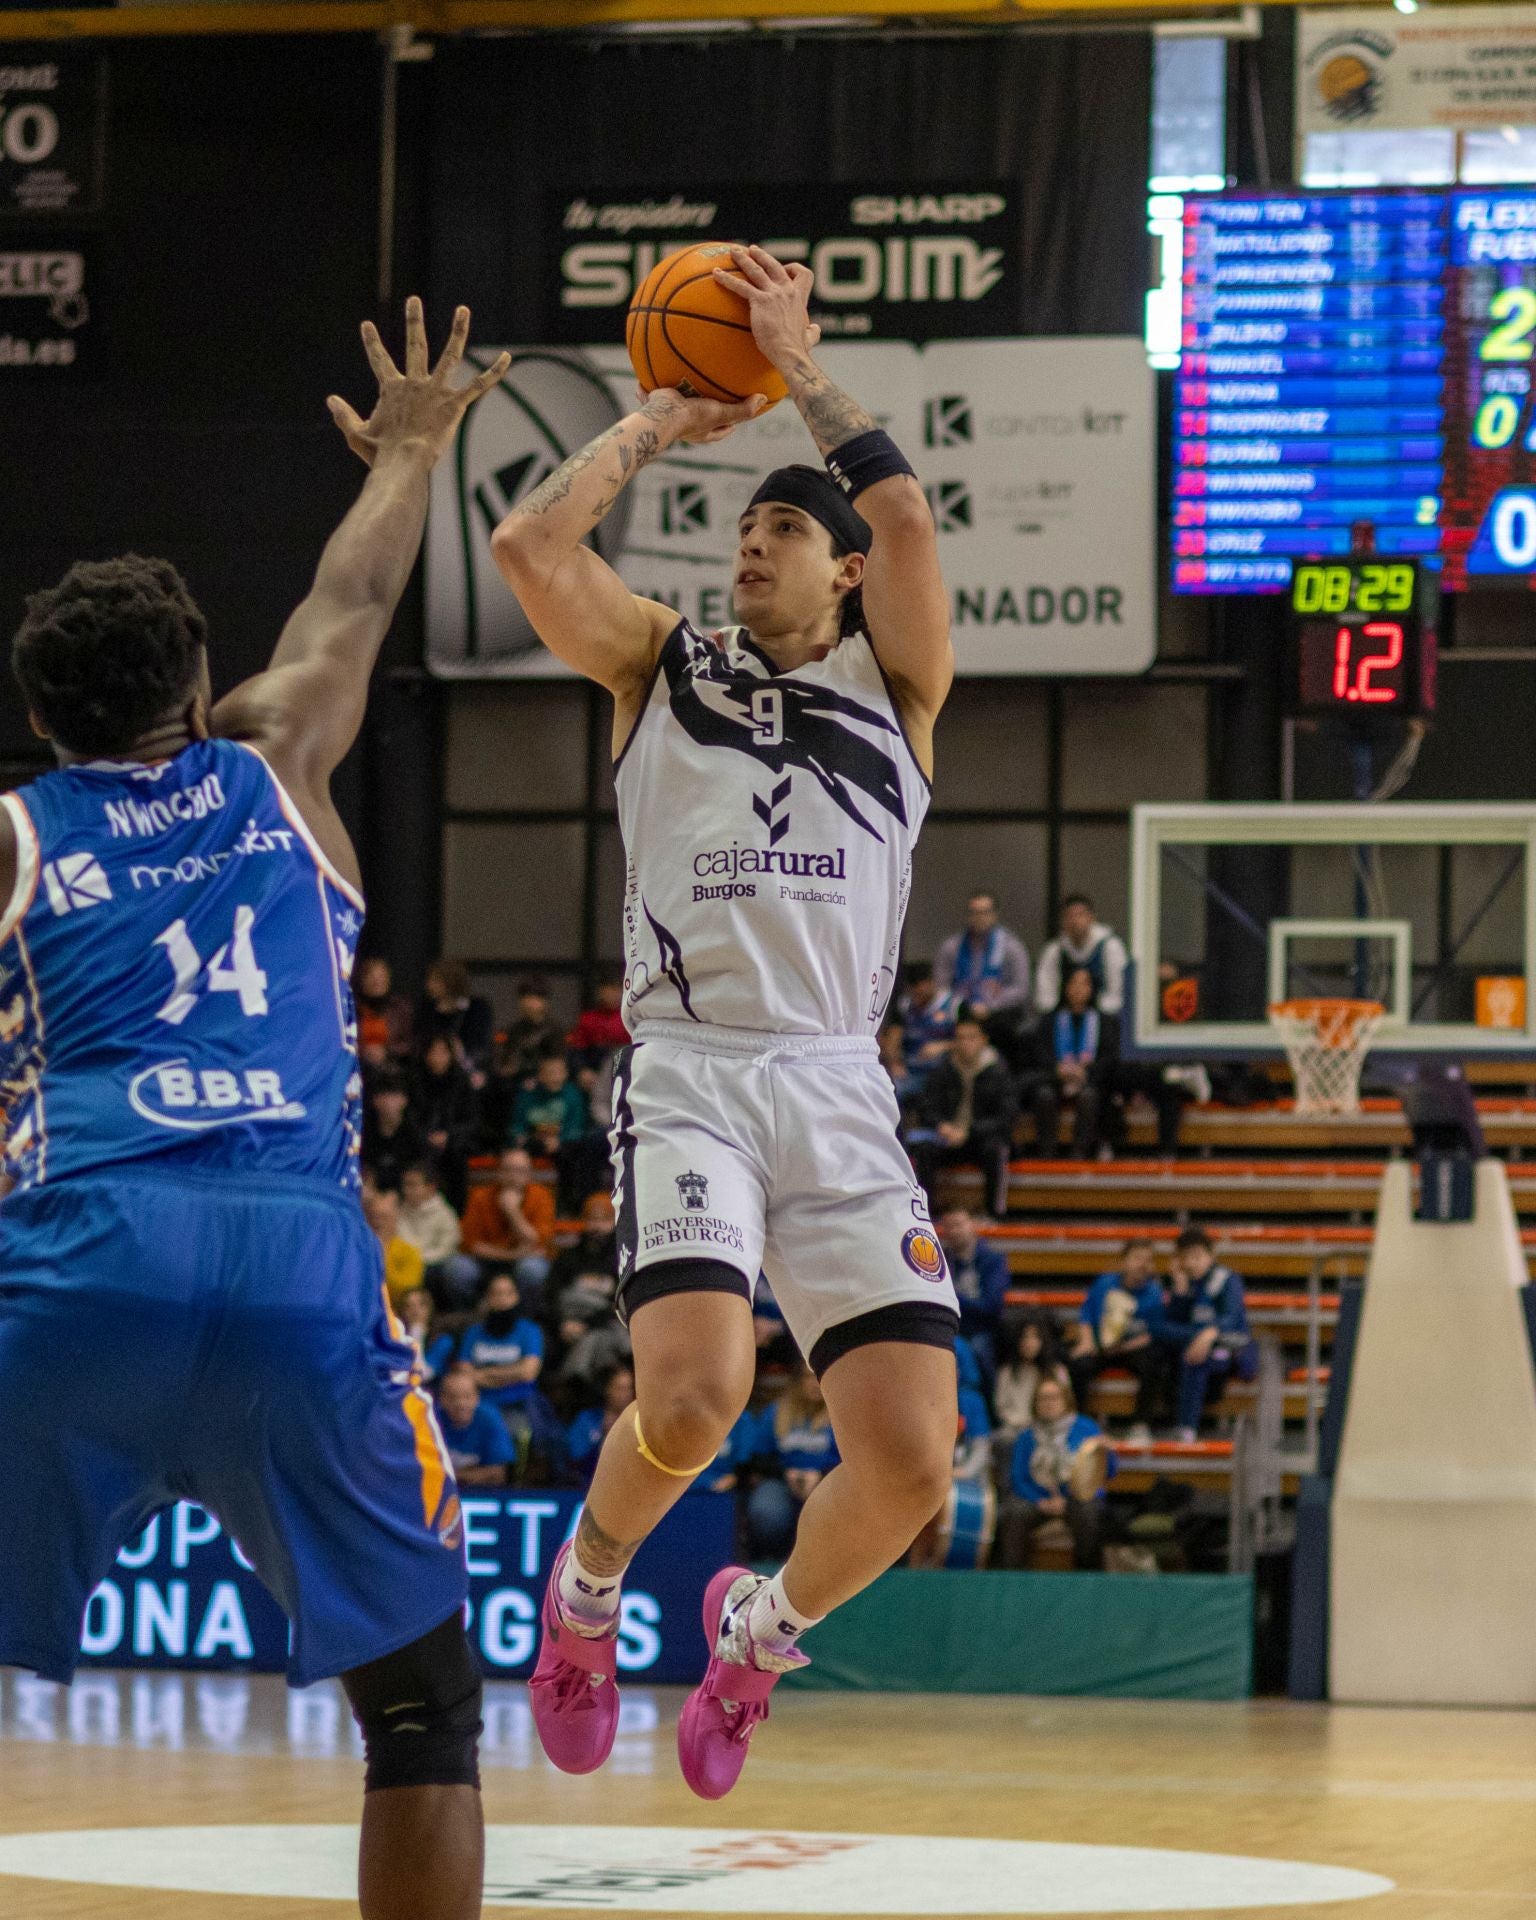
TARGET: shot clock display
(1364,637)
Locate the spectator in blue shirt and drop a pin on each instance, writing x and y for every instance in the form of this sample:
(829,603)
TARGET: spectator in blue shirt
(738,1450)
(980,1273)
(796,1435)
(1114,1329)
(970,1513)
(1060,1464)
(477,1441)
(927,1016)
(591,1427)
(505,1349)
(1204,1321)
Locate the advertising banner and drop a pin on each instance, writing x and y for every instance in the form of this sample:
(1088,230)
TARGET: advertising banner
(45,302)
(1028,450)
(52,130)
(890,263)
(1464,66)
(183,1596)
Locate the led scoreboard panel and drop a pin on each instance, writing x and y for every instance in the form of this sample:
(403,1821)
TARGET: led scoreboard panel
(1311,395)
(1364,637)
(1488,524)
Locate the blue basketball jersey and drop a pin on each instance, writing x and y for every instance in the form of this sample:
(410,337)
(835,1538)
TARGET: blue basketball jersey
(175,973)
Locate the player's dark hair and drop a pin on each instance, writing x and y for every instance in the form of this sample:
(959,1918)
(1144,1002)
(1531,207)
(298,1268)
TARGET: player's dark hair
(850,612)
(110,651)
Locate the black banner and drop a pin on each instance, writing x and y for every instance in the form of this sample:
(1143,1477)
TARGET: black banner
(891,263)
(45,289)
(51,133)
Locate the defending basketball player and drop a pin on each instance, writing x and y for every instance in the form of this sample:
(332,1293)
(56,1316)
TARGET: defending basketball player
(771,782)
(193,1304)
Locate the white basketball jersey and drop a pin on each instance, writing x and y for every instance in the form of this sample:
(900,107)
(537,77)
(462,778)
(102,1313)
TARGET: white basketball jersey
(769,820)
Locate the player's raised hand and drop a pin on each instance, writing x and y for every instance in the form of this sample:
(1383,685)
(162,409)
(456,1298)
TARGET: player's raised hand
(421,406)
(694,420)
(777,296)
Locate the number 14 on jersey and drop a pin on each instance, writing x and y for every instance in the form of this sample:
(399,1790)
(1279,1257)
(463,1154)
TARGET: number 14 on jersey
(232,969)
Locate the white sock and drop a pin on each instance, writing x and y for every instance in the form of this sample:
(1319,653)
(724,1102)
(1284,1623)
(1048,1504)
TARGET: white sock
(587,1599)
(776,1626)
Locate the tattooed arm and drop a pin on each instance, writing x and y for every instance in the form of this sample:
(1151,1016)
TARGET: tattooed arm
(906,604)
(578,605)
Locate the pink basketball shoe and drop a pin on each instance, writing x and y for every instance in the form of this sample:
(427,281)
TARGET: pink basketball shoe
(722,1712)
(573,1692)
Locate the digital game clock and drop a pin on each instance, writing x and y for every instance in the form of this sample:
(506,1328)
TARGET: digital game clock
(1364,635)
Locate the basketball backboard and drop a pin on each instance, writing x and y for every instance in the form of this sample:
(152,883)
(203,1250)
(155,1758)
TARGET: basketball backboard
(1429,909)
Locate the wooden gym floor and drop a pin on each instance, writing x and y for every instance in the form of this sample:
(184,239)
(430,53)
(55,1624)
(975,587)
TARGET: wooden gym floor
(1441,1803)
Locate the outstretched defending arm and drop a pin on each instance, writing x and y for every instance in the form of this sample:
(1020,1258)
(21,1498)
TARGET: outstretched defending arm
(905,602)
(579,607)
(305,711)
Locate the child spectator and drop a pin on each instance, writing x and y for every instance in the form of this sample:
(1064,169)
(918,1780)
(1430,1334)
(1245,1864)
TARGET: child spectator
(968,1104)
(432,1227)
(1114,1329)
(404,1268)
(464,1019)
(1204,1320)
(505,1348)
(591,1427)
(512,1223)
(1027,1346)
(552,1117)
(478,1443)
(434,1352)
(1072,1058)
(980,1274)
(448,1110)
(385,1028)
(797,1436)
(393,1138)
(1060,1463)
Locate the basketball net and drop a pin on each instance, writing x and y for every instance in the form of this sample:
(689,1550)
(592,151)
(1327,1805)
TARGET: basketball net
(1326,1042)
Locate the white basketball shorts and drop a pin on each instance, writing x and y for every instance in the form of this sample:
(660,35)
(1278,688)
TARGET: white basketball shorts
(776,1153)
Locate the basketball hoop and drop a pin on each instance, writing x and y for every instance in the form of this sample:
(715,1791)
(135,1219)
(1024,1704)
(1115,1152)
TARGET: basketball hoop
(1326,1042)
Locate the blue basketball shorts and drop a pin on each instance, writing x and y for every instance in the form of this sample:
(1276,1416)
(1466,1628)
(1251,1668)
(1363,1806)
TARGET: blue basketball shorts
(168,1336)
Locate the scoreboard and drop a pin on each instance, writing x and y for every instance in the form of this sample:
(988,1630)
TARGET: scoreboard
(1356,360)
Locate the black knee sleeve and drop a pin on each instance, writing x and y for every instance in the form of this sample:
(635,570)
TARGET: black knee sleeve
(419,1710)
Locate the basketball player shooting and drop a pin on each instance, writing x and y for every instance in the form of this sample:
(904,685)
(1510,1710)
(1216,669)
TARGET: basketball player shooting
(771,782)
(194,1307)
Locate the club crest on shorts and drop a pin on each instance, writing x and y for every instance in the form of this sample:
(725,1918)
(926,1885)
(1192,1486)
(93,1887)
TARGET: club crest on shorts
(693,1191)
(922,1253)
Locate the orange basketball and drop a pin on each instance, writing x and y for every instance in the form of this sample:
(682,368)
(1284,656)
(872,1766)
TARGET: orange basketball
(685,330)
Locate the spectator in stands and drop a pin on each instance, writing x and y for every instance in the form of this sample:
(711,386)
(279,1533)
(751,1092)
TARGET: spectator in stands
(505,1348)
(393,1138)
(477,1440)
(1029,1354)
(984,966)
(980,1274)
(1060,1464)
(404,1268)
(432,1227)
(972,1469)
(591,1427)
(1204,1321)
(530,1035)
(448,1110)
(1114,1329)
(1072,1057)
(551,1116)
(968,1105)
(434,1351)
(600,1030)
(594,1252)
(1084,941)
(385,1027)
(511,1223)
(927,1020)
(466,1020)
(797,1436)
(727,1471)
(892,1042)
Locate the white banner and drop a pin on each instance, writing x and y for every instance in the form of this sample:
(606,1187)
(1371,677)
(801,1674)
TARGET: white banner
(1038,456)
(1462,66)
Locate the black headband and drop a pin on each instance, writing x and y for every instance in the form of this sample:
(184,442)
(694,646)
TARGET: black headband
(809,489)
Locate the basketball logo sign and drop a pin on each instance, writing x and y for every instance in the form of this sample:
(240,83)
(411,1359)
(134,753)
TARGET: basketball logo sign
(546,407)
(922,1253)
